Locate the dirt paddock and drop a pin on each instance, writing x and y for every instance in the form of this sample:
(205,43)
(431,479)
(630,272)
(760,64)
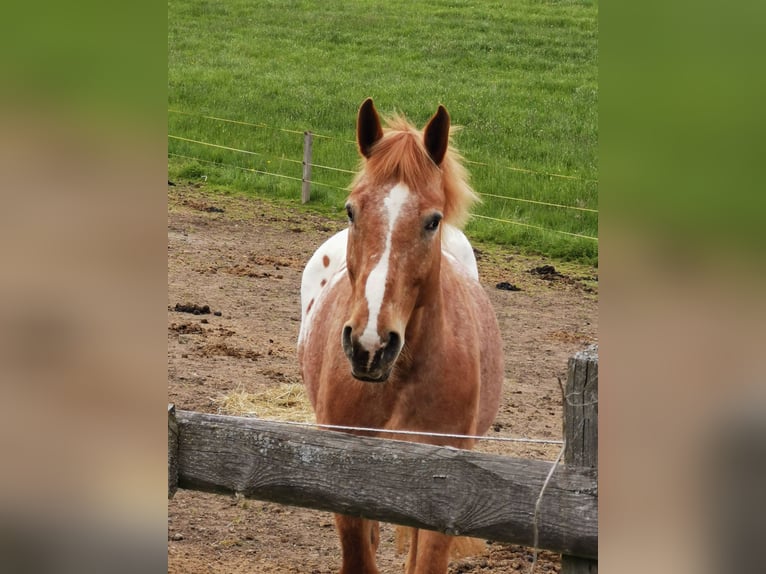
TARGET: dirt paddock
(234,267)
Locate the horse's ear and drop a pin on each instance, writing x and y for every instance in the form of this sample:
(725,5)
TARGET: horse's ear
(436,135)
(368,130)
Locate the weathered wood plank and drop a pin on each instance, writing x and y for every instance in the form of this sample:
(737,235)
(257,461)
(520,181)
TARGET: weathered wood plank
(581,409)
(439,488)
(581,432)
(172,451)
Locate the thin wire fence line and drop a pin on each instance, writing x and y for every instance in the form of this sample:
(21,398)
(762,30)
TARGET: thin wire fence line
(221,164)
(341,170)
(235,149)
(333,168)
(508,167)
(250,169)
(415,433)
(532,171)
(237,167)
(533,226)
(273,157)
(536,518)
(538,202)
(262,125)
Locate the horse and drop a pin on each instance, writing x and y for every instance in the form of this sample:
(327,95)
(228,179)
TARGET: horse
(396,331)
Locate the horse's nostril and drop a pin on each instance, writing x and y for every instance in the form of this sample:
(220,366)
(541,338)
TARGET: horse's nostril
(346,337)
(391,348)
(345,341)
(393,341)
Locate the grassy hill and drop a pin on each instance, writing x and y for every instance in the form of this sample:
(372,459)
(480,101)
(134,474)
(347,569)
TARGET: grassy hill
(520,78)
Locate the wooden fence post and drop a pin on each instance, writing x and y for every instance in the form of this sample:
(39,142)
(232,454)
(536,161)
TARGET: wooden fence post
(306,181)
(172,451)
(581,431)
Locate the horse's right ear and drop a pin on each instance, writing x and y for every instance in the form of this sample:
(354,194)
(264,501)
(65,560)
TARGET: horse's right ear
(436,135)
(368,129)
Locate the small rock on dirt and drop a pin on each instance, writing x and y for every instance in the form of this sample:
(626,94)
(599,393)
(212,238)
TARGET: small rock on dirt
(192,308)
(187,328)
(547,272)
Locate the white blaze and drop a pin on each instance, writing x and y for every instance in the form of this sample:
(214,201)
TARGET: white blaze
(375,287)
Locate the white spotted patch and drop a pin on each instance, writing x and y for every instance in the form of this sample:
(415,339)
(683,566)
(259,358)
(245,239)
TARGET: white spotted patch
(324,269)
(456,245)
(375,287)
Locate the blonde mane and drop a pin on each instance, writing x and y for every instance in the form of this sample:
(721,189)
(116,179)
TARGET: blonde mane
(400,155)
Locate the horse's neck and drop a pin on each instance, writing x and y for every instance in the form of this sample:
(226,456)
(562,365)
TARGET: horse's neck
(425,328)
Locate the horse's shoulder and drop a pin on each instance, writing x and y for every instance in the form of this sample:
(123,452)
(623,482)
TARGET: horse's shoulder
(456,245)
(323,266)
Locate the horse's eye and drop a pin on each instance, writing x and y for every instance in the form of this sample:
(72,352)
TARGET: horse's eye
(350,213)
(432,224)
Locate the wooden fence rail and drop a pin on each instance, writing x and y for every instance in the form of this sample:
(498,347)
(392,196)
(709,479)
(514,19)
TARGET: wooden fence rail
(439,488)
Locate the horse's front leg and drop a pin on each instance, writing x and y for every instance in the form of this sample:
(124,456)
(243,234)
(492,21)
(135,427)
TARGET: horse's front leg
(429,553)
(359,541)
(412,555)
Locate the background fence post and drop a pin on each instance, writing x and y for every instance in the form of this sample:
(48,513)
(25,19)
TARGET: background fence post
(306,181)
(172,451)
(581,431)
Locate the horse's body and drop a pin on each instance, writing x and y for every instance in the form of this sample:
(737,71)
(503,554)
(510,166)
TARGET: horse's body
(396,331)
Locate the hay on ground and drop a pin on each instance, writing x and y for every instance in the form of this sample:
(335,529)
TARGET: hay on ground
(286,402)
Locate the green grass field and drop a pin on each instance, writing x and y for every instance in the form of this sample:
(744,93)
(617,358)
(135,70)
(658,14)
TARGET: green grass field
(521,78)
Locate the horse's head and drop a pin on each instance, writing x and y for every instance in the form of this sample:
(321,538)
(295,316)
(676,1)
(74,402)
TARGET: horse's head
(410,182)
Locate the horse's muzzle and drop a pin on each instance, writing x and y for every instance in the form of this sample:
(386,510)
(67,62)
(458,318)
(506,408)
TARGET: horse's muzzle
(371,366)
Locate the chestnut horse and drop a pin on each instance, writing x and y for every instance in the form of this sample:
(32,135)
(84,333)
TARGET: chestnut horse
(396,331)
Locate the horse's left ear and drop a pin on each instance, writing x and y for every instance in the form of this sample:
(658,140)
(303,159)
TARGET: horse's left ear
(368,128)
(436,135)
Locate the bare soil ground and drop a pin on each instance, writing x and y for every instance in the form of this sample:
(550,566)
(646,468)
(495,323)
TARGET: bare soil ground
(243,258)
